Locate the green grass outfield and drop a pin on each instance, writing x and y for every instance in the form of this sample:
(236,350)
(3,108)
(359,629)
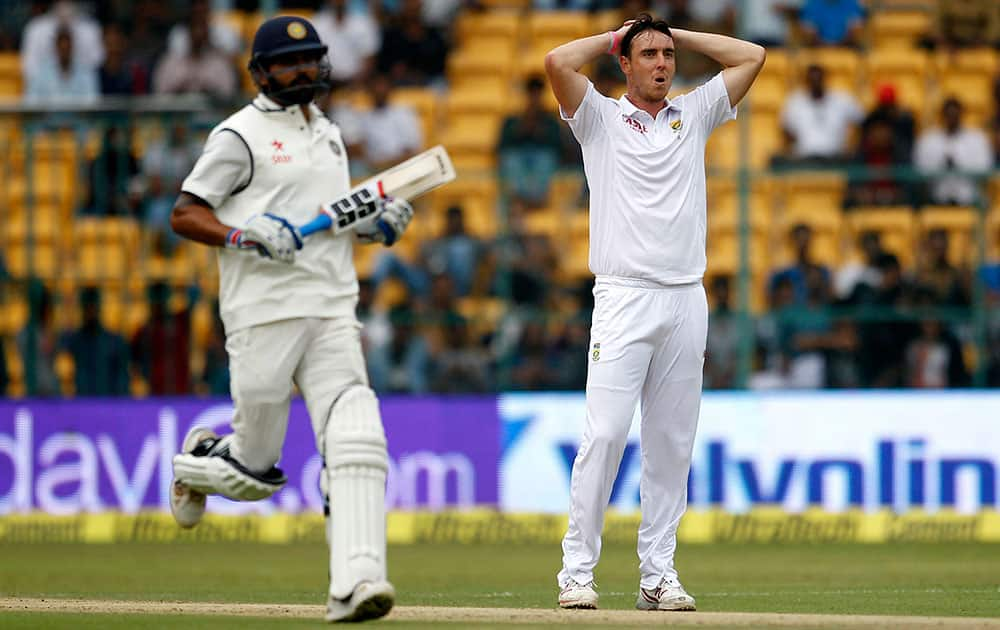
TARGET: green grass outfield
(926,579)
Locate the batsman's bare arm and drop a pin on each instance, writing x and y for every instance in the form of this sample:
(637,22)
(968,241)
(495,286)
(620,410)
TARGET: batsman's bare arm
(563,63)
(193,218)
(741,60)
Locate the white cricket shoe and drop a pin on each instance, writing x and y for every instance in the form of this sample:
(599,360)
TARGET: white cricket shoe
(575,595)
(187,505)
(668,595)
(370,600)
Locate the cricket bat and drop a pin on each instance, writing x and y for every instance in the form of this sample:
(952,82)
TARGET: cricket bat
(416,176)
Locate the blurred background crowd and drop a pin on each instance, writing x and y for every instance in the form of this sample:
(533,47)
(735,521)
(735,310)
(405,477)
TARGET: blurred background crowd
(854,219)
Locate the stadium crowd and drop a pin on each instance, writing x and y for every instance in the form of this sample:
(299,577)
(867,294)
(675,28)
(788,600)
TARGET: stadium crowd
(478,303)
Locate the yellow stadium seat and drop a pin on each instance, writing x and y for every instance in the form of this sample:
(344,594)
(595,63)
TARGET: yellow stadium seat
(895,226)
(494,5)
(99,261)
(565,189)
(815,193)
(473,26)
(961,224)
(574,264)
(471,141)
(478,198)
(993,234)
(40,260)
(558,25)
(899,29)
(13,314)
(11,85)
(491,57)
(108,231)
(841,65)
(546,220)
(906,70)
(605,20)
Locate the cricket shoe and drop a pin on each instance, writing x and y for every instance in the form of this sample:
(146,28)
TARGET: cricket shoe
(668,595)
(370,600)
(187,505)
(575,595)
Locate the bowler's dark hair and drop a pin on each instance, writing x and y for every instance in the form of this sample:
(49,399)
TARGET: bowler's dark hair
(643,22)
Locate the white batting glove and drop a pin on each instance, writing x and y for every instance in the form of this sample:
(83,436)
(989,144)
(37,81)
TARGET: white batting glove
(389,224)
(272,237)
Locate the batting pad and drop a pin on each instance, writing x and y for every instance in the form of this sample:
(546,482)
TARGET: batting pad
(214,474)
(356,466)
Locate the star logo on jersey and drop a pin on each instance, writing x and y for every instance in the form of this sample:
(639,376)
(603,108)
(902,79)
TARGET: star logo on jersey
(279,156)
(596,354)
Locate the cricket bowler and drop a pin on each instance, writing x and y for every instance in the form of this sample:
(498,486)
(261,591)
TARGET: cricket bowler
(289,312)
(644,159)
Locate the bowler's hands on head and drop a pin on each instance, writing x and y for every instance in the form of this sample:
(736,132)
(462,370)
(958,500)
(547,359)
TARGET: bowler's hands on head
(389,224)
(272,236)
(618,35)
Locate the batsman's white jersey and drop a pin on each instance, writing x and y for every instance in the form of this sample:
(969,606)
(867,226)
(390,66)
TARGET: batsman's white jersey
(266,158)
(284,323)
(650,321)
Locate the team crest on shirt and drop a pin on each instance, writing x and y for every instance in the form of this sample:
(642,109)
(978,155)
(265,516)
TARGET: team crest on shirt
(279,156)
(596,354)
(676,125)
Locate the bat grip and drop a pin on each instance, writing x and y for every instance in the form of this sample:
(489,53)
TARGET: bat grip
(320,223)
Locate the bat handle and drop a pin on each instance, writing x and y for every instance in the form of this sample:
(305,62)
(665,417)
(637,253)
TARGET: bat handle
(320,223)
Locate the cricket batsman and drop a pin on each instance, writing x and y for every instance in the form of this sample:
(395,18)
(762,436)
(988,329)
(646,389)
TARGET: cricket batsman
(289,313)
(644,158)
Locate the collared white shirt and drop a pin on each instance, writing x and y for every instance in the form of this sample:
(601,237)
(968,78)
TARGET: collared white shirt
(821,127)
(391,132)
(937,152)
(647,182)
(350,41)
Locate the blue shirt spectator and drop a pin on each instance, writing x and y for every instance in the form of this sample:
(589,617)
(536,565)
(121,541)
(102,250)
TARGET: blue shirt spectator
(832,22)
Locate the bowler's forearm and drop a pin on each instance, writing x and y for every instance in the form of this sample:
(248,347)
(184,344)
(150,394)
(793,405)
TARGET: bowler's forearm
(728,51)
(575,54)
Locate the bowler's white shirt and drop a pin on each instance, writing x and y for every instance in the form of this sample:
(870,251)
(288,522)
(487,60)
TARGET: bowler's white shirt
(647,182)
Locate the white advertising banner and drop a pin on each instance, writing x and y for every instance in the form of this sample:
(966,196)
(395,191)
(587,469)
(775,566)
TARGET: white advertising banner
(838,451)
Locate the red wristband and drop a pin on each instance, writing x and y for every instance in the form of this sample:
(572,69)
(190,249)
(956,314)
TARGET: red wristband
(613,44)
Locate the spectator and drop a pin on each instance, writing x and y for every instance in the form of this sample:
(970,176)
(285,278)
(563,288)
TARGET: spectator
(38,44)
(200,70)
(391,132)
(120,76)
(943,284)
(353,38)
(113,182)
(797,274)
(532,366)
(403,364)
(953,156)
(165,164)
(529,148)
(928,358)
(817,122)
(966,24)
(161,347)
(221,35)
(765,22)
(874,180)
(64,80)
(832,22)
(38,344)
(884,335)
(412,52)
(455,253)
(100,356)
(214,379)
(147,28)
(459,366)
(854,281)
(723,338)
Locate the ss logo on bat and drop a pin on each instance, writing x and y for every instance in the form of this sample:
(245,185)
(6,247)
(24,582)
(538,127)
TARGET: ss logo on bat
(359,205)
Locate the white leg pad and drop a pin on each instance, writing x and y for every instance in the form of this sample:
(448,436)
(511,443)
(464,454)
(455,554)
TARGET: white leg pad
(356,466)
(213,474)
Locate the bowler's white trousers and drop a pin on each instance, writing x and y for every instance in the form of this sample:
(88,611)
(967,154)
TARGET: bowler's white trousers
(322,356)
(647,345)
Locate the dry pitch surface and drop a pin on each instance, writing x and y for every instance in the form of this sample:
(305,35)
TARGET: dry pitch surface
(431,614)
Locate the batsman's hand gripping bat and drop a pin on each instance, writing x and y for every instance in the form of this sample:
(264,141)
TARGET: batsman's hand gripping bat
(410,179)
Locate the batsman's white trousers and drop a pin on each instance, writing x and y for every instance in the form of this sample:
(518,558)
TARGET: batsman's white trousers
(321,356)
(647,345)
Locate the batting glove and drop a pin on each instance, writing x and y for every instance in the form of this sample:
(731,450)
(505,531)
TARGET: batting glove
(390,223)
(272,237)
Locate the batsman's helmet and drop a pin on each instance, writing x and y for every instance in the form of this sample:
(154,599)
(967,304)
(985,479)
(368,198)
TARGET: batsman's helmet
(285,36)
